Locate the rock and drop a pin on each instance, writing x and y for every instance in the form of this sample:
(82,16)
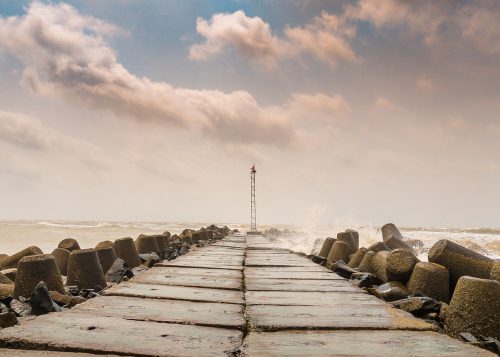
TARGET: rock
(84,270)
(379,265)
(460,261)
(167,235)
(139,269)
(317,259)
(342,269)
(184,250)
(149,259)
(495,271)
(199,236)
(391,291)
(365,280)
(11,262)
(31,270)
(390,230)
(417,245)
(118,271)
(66,300)
(488,343)
(146,244)
(430,279)
(106,257)
(10,273)
(69,244)
(6,290)
(357,258)
(400,264)
(396,243)
(41,302)
(21,309)
(160,242)
(475,307)
(7,319)
(326,247)
(61,256)
(366,262)
(105,244)
(125,249)
(5,280)
(417,305)
(378,247)
(340,251)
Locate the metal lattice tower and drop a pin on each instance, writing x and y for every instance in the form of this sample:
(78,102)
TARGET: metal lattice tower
(253,208)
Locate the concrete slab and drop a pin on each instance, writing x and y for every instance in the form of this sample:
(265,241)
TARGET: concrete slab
(274,273)
(357,343)
(339,316)
(163,277)
(194,264)
(229,260)
(270,261)
(222,273)
(241,245)
(83,332)
(299,285)
(156,291)
(38,353)
(291,298)
(172,311)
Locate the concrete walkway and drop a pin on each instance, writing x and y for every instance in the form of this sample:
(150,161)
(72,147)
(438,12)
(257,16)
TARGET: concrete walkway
(239,296)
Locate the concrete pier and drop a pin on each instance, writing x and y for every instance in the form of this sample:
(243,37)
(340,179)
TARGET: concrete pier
(238,297)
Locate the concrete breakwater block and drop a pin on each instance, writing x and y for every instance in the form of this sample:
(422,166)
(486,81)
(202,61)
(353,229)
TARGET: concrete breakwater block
(340,251)
(61,256)
(69,244)
(105,244)
(379,265)
(34,269)
(146,244)
(430,279)
(460,261)
(351,237)
(6,290)
(10,273)
(378,247)
(396,243)
(495,271)
(199,236)
(160,242)
(11,261)
(357,258)
(475,307)
(357,343)
(400,264)
(326,247)
(38,353)
(84,270)
(106,257)
(75,330)
(366,263)
(125,249)
(4,279)
(390,230)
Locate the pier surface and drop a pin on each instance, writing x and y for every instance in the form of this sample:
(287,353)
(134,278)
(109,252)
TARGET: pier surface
(239,296)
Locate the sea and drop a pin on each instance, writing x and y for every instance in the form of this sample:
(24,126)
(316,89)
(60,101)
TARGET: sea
(17,235)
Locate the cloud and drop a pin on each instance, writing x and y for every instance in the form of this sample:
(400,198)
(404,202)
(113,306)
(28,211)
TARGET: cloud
(325,39)
(481,26)
(426,85)
(319,106)
(66,54)
(28,132)
(384,104)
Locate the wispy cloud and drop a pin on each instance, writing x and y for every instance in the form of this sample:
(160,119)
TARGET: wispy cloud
(325,39)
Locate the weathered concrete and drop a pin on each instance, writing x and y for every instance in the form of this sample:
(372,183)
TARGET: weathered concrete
(260,284)
(38,353)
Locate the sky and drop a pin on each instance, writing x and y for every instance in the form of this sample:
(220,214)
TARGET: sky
(363,111)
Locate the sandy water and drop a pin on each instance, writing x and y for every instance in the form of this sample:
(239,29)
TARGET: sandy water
(17,235)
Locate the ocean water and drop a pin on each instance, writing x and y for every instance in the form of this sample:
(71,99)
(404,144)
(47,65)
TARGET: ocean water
(17,235)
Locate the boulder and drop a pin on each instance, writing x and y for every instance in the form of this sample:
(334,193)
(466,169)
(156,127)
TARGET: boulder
(11,261)
(146,244)
(31,270)
(378,247)
(400,264)
(326,247)
(69,244)
(21,309)
(118,271)
(340,251)
(41,302)
(5,280)
(6,290)
(125,249)
(418,305)
(475,307)
(85,271)
(356,259)
(430,279)
(7,319)
(66,300)
(391,291)
(460,261)
(390,230)
(10,273)
(342,269)
(366,263)
(365,280)
(61,256)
